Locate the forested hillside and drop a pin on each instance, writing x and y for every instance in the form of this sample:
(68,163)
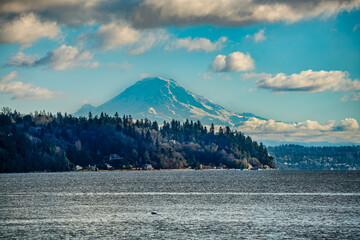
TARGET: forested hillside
(296,157)
(46,142)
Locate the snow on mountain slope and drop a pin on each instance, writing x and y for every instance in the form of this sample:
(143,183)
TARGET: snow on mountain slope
(165,99)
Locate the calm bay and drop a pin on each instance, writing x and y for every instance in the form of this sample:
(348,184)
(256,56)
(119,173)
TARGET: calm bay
(226,204)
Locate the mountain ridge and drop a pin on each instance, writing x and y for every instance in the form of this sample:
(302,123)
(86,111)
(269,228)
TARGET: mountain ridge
(160,99)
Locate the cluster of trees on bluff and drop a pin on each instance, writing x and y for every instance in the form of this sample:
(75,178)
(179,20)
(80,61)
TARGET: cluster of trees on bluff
(46,142)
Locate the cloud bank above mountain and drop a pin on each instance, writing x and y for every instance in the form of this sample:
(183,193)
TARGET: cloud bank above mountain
(310,81)
(346,130)
(307,81)
(156,13)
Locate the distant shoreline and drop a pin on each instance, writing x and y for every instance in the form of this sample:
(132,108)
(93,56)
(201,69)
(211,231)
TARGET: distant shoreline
(185,170)
(174,169)
(154,170)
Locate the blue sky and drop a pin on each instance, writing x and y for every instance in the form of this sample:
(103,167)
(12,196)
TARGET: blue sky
(291,61)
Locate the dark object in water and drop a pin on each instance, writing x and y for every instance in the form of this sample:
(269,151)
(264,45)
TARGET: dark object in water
(154,212)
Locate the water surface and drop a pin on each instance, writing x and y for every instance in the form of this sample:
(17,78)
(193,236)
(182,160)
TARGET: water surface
(191,205)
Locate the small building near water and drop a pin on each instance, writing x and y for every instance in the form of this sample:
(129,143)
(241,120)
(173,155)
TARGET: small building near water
(114,156)
(147,167)
(78,168)
(109,167)
(92,168)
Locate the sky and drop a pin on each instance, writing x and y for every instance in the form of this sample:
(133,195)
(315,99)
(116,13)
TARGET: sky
(296,63)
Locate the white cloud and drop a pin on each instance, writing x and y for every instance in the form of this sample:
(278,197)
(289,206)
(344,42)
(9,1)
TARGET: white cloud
(63,58)
(254,76)
(26,29)
(122,35)
(234,12)
(348,124)
(219,64)
(205,76)
(346,130)
(356,27)
(18,6)
(66,57)
(23,91)
(90,65)
(226,78)
(258,37)
(199,44)
(306,81)
(124,65)
(148,40)
(234,62)
(73,13)
(155,13)
(8,77)
(86,101)
(353,97)
(114,35)
(21,59)
(144,75)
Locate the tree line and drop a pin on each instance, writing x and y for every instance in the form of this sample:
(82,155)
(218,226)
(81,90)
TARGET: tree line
(297,157)
(43,141)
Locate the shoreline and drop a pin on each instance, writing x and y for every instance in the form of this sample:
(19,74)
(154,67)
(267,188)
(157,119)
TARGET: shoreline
(154,170)
(174,169)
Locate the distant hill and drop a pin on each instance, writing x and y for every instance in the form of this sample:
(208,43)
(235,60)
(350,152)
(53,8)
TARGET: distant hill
(296,157)
(161,100)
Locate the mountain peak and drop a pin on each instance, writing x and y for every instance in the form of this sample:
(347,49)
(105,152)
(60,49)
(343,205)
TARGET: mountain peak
(85,109)
(157,82)
(158,79)
(162,99)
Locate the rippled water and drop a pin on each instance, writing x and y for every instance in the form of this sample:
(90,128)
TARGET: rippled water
(191,205)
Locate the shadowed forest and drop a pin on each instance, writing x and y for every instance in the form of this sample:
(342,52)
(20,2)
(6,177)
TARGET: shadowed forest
(59,142)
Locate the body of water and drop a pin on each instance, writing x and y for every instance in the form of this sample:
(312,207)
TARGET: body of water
(190,205)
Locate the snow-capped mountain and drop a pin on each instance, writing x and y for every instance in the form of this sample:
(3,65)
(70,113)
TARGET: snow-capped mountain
(165,99)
